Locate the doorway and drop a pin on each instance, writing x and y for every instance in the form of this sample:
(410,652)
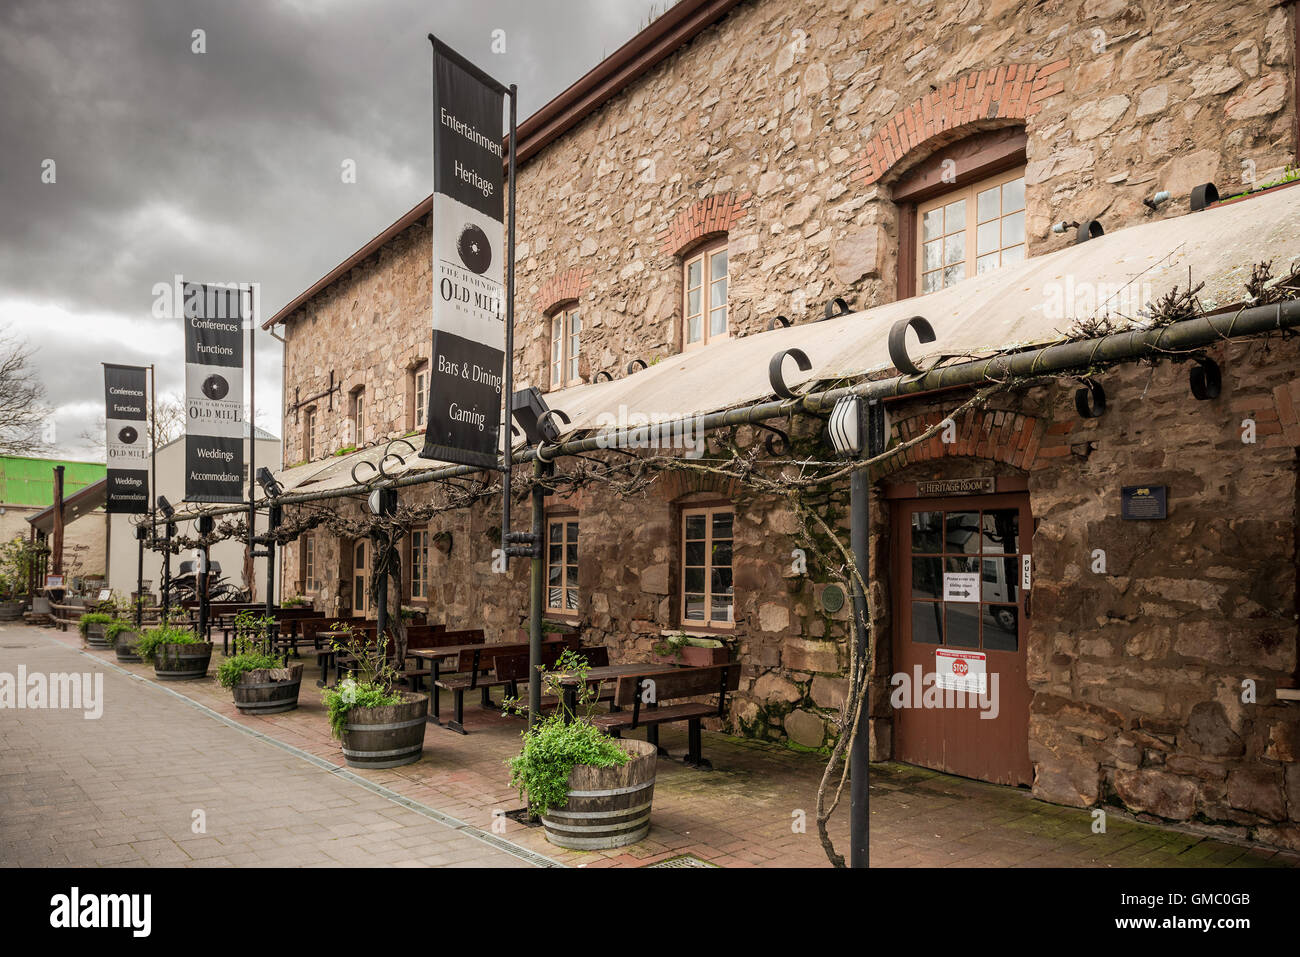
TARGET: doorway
(959,569)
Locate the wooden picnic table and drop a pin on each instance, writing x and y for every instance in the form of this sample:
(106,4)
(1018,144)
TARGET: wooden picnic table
(597,675)
(436,656)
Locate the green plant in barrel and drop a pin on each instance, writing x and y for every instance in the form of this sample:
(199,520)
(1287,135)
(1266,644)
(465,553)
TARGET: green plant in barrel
(374,686)
(155,638)
(93,618)
(561,741)
(250,655)
(116,627)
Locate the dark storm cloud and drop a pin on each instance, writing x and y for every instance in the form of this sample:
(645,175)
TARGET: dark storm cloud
(226,165)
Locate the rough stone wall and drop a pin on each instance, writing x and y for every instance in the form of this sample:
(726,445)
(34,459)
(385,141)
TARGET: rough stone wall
(1136,669)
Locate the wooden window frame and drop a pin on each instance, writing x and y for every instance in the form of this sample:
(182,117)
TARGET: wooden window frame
(560,325)
(419,407)
(970,227)
(563,519)
(703,254)
(419,537)
(357,415)
(364,608)
(308,557)
(709,623)
(309,434)
(975,158)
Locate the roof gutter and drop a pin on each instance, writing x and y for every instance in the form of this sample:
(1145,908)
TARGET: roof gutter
(659,40)
(1179,338)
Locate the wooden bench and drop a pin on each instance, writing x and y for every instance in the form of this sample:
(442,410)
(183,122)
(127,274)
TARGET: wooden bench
(479,668)
(682,683)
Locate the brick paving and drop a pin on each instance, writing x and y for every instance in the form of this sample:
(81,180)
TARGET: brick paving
(154,756)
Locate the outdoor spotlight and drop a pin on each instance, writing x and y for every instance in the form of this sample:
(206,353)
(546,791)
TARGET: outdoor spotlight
(534,417)
(1159,199)
(270,486)
(383,502)
(165,507)
(845,426)
(1062,226)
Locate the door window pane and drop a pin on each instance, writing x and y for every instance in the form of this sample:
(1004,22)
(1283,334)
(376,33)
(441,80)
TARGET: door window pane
(927,622)
(927,578)
(961,533)
(1000,625)
(927,532)
(1001,531)
(963,624)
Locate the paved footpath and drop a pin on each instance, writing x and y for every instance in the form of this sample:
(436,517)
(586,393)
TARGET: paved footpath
(124,789)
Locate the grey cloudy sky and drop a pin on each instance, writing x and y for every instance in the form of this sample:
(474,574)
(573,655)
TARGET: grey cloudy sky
(225,166)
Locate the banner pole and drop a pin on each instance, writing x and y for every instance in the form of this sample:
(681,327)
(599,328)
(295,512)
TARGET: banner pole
(508,445)
(252,444)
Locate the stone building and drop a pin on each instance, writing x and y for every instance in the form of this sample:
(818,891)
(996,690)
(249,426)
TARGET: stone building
(737,166)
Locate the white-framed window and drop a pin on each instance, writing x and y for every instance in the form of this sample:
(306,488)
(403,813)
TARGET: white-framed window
(970,231)
(420,563)
(562,565)
(708,598)
(308,563)
(705,283)
(566,345)
(309,434)
(358,417)
(419,395)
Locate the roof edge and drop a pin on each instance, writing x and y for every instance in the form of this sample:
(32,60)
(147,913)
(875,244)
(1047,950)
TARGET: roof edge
(659,40)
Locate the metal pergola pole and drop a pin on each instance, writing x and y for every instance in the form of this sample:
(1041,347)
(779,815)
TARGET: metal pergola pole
(860,754)
(536,592)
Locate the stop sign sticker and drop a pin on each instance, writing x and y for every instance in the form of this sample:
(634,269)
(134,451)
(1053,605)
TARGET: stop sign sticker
(961,670)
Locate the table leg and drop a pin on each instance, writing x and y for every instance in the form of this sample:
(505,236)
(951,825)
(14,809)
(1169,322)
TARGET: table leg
(434,672)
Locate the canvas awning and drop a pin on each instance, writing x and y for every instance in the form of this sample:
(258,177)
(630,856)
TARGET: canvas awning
(1029,304)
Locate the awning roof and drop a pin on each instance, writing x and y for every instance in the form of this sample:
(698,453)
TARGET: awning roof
(79,503)
(1029,304)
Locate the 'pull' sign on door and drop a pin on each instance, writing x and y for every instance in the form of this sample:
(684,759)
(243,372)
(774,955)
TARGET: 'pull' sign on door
(468,357)
(214,393)
(126,424)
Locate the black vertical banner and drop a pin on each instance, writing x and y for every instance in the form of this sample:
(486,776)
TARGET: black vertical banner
(468,357)
(214,393)
(126,426)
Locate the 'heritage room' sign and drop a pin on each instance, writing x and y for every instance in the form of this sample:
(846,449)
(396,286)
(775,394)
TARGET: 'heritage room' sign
(126,423)
(967,486)
(468,358)
(214,393)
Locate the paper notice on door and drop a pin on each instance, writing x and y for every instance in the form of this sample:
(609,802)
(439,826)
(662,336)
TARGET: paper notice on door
(961,586)
(965,671)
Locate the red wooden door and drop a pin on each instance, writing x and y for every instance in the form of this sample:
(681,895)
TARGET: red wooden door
(957,576)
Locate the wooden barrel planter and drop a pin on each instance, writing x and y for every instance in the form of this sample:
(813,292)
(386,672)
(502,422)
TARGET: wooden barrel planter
(11,610)
(182,662)
(386,737)
(268,690)
(607,807)
(95,635)
(125,647)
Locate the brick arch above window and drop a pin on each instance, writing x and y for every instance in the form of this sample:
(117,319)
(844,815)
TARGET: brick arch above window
(1013,91)
(687,488)
(995,435)
(565,287)
(709,217)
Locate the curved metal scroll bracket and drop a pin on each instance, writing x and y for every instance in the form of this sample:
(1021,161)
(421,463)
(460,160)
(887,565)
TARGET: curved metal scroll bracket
(602,372)
(390,454)
(778,443)
(1206,380)
(362,481)
(836,307)
(777,321)
(777,378)
(1090,401)
(634,364)
(898,342)
(546,417)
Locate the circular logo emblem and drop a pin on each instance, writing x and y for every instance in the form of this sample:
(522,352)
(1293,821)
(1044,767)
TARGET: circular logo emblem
(215,387)
(127,435)
(960,667)
(474,249)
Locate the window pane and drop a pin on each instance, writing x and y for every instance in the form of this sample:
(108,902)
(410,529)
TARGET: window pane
(926,531)
(694,580)
(963,624)
(1013,195)
(718,293)
(986,205)
(954,248)
(721,609)
(694,607)
(718,322)
(930,282)
(954,274)
(720,581)
(986,263)
(987,239)
(721,554)
(573,531)
(718,264)
(722,524)
(1013,229)
(1005,579)
(961,565)
(1000,627)
(1001,531)
(932,255)
(693,302)
(571,599)
(1013,254)
(695,526)
(553,554)
(571,554)
(695,554)
(693,329)
(927,577)
(693,274)
(954,216)
(554,575)
(926,623)
(557,531)
(554,597)
(932,224)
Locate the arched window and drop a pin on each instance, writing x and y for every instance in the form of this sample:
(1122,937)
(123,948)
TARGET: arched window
(705,282)
(566,345)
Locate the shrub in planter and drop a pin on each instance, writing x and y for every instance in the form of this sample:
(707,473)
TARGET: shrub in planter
(685,650)
(92,625)
(378,725)
(177,653)
(590,789)
(122,636)
(259,682)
